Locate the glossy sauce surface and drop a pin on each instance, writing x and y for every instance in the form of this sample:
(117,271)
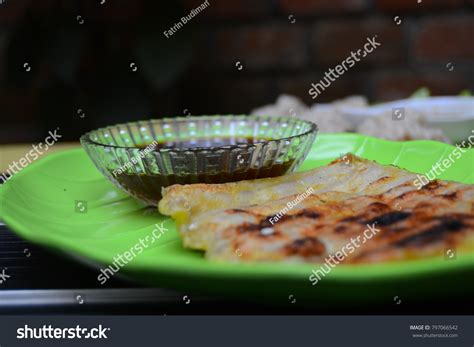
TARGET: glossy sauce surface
(154,183)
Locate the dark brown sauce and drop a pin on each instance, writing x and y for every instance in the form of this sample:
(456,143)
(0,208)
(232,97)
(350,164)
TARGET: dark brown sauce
(207,142)
(149,186)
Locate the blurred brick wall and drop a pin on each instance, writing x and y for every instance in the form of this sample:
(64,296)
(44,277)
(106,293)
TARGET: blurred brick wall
(282,45)
(279,56)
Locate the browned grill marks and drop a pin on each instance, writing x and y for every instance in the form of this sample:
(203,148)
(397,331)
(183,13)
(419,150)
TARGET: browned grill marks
(433,234)
(256,228)
(432,185)
(423,205)
(308,246)
(389,218)
(450,196)
(378,207)
(303,213)
(308,214)
(265,223)
(407,194)
(248,228)
(351,219)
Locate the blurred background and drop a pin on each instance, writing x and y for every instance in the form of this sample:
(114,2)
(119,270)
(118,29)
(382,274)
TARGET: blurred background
(79,65)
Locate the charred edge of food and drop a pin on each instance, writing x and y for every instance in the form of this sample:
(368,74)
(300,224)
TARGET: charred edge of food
(455,216)
(342,159)
(450,196)
(432,185)
(308,214)
(248,228)
(256,228)
(265,222)
(407,184)
(433,234)
(351,219)
(237,210)
(407,194)
(378,207)
(380,180)
(305,247)
(389,218)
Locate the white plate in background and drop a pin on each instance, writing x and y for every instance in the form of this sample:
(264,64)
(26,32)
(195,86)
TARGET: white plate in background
(453,114)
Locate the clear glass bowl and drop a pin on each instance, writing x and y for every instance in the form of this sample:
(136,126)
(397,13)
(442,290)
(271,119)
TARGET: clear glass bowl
(277,146)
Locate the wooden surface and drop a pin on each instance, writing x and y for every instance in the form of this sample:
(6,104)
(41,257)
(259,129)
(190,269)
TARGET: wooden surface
(10,153)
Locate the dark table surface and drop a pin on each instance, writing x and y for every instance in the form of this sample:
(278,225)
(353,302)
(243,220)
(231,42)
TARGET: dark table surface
(41,281)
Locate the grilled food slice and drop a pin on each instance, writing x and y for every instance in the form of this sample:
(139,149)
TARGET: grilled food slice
(400,224)
(334,208)
(349,174)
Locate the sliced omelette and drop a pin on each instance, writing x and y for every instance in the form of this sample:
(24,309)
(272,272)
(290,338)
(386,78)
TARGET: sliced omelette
(277,220)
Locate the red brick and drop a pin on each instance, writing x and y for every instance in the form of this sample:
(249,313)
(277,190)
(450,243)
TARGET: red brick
(445,39)
(226,9)
(267,46)
(413,5)
(309,7)
(333,41)
(18,105)
(226,95)
(401,84)
(43,7)
(12,11)
(114,11)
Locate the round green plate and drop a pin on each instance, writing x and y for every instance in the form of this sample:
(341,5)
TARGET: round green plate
(40,203)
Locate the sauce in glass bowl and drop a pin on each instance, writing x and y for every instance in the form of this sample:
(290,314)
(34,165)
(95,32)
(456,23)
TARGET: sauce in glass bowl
(143,157)
(149,185)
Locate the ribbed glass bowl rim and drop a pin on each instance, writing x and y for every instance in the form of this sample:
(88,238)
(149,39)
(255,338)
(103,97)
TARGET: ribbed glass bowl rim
(313,129)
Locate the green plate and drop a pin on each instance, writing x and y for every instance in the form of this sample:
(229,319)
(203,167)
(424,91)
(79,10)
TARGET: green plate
(39,203)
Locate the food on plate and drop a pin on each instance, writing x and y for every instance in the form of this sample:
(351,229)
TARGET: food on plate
(405,224)
(348,174)
(421,120)
(276,219)
(327,116)
(197,149)
(308,216)
(438,118)
(413,126)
